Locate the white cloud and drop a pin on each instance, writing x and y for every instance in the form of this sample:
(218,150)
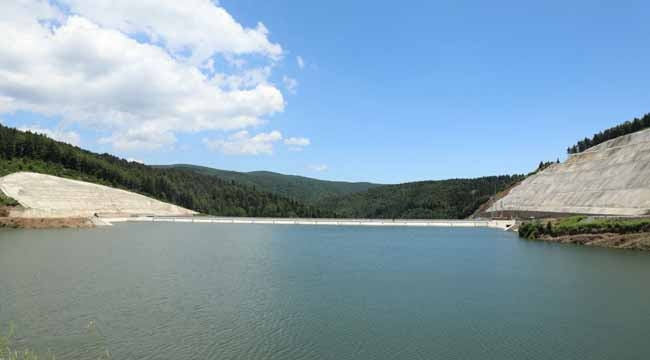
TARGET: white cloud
(88,71)
(319,167)
(248,79)
(137,138)
(191,28)
(242,143)
(297,143)
(135,160)
(300,61)
(235,61)
(69,137)
(290,83)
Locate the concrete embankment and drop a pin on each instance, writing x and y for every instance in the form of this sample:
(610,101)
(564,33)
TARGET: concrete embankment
(612,178)
(496,224)
(45,196)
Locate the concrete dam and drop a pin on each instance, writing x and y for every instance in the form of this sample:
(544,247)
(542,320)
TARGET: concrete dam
(612,178)
(469,223)
(46,196)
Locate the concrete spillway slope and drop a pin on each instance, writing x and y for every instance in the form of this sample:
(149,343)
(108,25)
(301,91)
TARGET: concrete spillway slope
(46,196)
(612,178)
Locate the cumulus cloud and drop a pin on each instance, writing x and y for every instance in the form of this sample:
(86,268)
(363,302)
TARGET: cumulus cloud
(140,138)
(297,143)
(248,79)
(69,137)
(86,67)
(290,83)
(243,143)
(300,61)
(319,167)
(191,28)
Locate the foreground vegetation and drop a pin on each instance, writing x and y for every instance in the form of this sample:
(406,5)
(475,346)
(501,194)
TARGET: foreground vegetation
(445,199)
(625,128)
(578,225)
(8,352)
(25,151)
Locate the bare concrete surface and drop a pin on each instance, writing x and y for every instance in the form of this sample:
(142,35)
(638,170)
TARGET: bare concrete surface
(495,224)
(45,196)
(612,178)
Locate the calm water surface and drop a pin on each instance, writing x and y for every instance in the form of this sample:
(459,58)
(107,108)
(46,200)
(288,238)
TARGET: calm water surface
(183,291)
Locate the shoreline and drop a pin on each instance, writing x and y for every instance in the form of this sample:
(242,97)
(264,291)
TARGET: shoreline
(99,221)
(609,232)
(46,223)
(496,224)
(632,241)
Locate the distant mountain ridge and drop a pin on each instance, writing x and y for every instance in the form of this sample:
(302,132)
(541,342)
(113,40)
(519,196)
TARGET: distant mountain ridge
(300,188)
(441,199)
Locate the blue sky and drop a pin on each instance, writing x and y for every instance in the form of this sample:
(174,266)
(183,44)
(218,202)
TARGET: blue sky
(394,92)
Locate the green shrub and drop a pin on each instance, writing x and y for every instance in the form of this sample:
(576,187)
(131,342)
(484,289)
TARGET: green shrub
(7,352)
(7,201)
(583,225)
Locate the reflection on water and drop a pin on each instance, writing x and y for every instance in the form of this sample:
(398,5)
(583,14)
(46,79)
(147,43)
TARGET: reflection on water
(183,291)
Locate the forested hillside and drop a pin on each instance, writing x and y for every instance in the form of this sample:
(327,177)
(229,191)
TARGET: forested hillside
(445,199)
(300,188)
(25,151)
(625,128)
(201,190)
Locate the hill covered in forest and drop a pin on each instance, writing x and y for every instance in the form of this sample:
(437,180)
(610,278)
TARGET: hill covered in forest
(263,194)
(304,189)
(26,151)
(444,199)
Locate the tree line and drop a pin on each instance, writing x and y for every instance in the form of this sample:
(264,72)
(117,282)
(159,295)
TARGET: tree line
(625,128)
(444,199)
(26,151)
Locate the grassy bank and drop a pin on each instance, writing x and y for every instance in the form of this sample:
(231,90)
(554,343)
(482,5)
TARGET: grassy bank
(619,233)
(578,225)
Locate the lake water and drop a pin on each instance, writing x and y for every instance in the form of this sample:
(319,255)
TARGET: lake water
(183,291)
